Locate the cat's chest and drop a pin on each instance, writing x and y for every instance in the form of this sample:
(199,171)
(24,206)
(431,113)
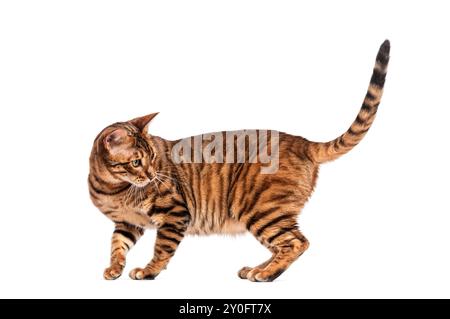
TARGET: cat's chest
(130,214)
(135,217)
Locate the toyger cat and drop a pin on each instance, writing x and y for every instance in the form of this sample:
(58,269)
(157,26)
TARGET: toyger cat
(135,182)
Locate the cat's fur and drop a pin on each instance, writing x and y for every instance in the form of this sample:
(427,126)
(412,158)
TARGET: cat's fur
(206,198)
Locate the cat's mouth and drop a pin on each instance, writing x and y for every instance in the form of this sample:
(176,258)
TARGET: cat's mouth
(141,184)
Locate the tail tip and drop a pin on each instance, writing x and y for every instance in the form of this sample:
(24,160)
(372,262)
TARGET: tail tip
(383,53)
(385,47)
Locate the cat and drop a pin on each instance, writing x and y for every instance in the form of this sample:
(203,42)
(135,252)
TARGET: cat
(137,181)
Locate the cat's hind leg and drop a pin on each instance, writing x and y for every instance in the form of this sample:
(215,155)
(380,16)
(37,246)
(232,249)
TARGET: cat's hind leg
(270,213)
(282,237)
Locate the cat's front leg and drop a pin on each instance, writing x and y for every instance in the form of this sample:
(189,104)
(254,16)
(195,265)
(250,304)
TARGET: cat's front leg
(168,237)
(124,237)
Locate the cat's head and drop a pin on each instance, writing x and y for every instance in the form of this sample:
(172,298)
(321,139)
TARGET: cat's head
(123,153)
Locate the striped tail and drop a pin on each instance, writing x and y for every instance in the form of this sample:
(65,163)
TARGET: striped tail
(324,152)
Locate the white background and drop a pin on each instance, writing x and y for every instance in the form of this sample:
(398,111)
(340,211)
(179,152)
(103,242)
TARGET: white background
(379,220)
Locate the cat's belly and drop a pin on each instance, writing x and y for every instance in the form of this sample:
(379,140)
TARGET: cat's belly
(229,227)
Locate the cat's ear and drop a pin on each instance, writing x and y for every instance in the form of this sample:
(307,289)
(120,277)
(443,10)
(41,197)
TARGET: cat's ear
(114,139)
(142,122)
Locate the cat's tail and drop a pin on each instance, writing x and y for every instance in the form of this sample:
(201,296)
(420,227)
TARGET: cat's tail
(324,152)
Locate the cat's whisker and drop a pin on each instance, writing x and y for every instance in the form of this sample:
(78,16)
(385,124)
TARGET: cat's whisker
(133,195)
(155,185)
(128,194)
(137,196)
(161,180)
(142,194)
(167,177)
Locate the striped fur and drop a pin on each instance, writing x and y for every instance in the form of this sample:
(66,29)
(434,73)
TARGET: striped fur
(134,182)
(324,152)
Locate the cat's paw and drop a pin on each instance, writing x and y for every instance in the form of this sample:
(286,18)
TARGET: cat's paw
(141,274)
(263,275)
(243,272)
(113,272)
(253,274)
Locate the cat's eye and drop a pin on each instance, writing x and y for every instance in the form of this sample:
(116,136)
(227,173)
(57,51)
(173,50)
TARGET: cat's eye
(136,163)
